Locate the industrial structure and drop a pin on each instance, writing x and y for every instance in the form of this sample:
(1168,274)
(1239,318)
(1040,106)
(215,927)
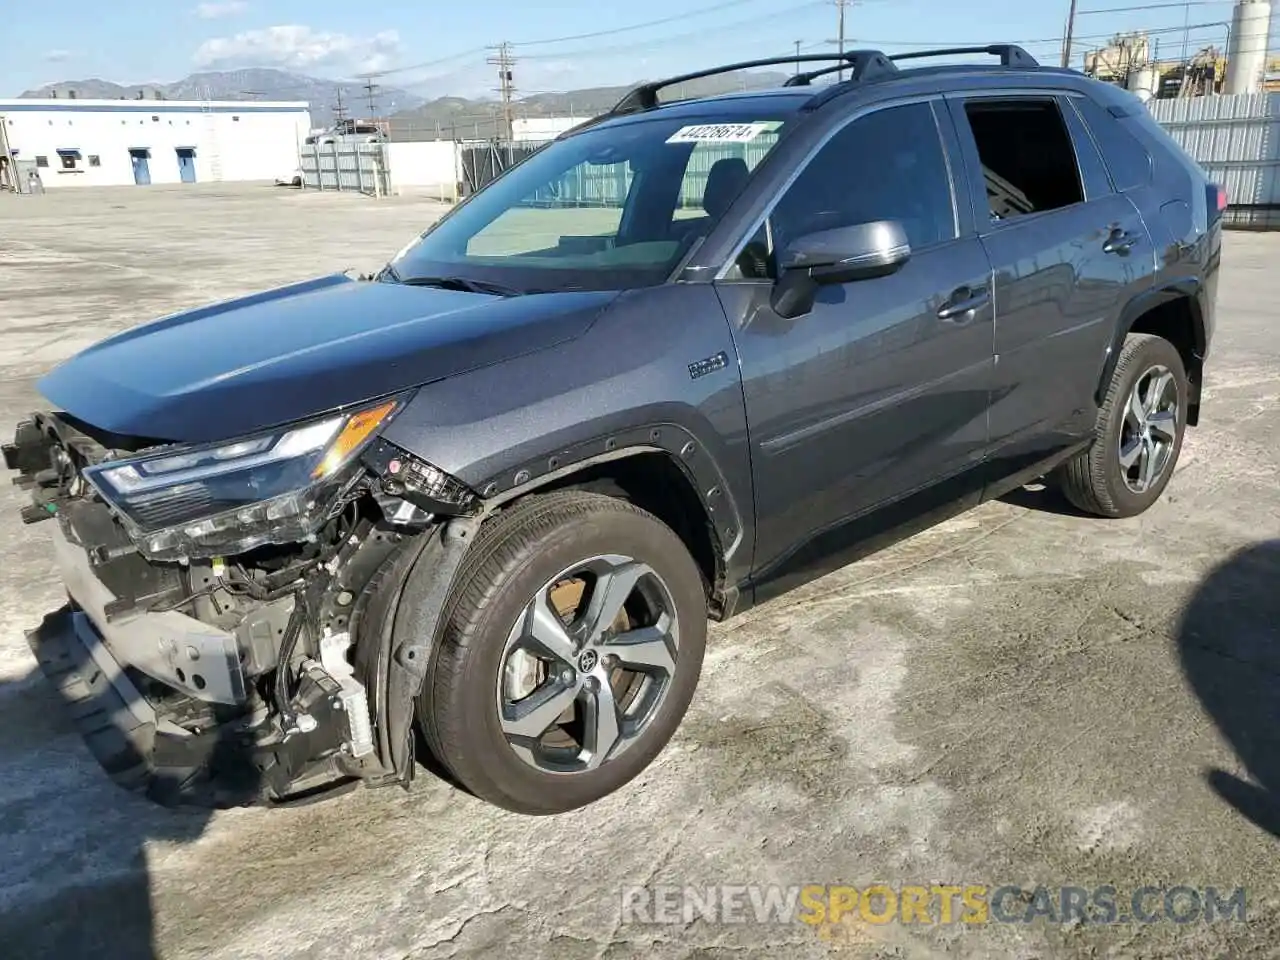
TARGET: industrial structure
(54,143)
(1242,65)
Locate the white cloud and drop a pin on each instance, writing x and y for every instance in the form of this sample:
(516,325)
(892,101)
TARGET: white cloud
(57,56)
(220,8)
(295,47)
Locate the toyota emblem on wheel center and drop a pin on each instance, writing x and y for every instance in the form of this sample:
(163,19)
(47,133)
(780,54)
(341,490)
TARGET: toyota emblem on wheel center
(588,660)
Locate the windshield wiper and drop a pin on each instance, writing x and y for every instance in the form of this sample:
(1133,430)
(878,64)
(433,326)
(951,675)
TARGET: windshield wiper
(463,283)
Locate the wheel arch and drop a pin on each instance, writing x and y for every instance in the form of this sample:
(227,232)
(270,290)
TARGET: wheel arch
(1172,311)
(660,468)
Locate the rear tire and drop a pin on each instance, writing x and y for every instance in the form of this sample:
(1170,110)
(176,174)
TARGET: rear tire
(1138,433)
(596,548)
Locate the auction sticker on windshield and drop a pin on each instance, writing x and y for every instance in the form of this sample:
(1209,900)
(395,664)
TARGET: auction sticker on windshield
(719,133)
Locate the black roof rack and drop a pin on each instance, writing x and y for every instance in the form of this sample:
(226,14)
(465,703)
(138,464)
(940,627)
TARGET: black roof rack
(863,65)
(645,96)
(1010,54)
(881,65)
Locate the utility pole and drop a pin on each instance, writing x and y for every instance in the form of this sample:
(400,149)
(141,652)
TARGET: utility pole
(797,56)
(339,109)
(371,95)
(1186,35)
(505,62)
(1069,36)
(839,40)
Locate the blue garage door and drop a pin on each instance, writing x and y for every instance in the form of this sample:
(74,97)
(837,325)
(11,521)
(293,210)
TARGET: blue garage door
(187,164)
(141,157)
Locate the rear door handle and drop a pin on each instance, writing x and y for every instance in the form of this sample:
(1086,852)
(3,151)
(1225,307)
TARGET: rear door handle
(963,302)
(1120,241)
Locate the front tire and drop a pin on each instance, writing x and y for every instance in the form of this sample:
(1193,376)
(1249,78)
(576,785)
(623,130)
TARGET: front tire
(1138,434)
(569,654)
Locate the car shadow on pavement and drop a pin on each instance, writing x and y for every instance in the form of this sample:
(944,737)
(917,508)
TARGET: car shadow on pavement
(1044,497)
(1229,645)
(74,847)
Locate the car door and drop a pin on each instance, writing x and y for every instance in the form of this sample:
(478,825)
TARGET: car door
(882,388)
(1068,253)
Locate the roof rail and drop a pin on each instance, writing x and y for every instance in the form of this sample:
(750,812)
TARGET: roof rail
(862,65)
(1011,55)
(645,96)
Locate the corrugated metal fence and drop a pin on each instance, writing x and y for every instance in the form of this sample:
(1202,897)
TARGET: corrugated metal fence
(346,165)
(1236,140)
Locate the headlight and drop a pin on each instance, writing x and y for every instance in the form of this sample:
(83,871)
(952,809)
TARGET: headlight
(227,498)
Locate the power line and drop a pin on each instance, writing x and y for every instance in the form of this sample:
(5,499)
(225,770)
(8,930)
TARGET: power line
(441,61)
(371,95)
(635,26)
(476,51)
(668,39)
(1157,6)
(881,44)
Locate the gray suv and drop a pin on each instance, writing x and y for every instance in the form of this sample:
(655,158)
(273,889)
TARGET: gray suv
(686,357)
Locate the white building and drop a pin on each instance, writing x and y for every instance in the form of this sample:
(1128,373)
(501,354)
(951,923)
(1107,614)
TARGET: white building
(542,128)
(111,142)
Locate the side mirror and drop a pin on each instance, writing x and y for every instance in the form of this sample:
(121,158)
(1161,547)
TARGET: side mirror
(840,255)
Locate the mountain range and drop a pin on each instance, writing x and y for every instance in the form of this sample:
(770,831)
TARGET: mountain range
(258,83)
(410,116)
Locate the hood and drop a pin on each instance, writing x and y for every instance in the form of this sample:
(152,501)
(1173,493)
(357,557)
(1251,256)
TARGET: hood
(248,364)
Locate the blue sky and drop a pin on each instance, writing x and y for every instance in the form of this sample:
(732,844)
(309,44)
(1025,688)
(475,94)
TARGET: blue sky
(436,49)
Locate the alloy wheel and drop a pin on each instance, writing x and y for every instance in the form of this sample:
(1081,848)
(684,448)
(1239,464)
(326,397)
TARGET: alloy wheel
(1149,432)
(587,664)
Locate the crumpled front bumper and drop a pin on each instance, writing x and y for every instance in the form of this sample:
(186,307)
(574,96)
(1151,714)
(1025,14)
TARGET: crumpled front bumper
(193,657)
(121,728)
(102,663)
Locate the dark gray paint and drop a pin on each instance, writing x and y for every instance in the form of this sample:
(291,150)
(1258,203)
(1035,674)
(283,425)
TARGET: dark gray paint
(237,367)
(1059,296)
(865,414)
(627,376)
(869,396)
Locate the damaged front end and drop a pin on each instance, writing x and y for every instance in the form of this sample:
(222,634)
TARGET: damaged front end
(230,636)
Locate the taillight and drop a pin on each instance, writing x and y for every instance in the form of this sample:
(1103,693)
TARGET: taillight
(1217,198)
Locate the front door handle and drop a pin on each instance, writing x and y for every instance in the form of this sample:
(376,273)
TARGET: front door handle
(1119,241)
(963,302)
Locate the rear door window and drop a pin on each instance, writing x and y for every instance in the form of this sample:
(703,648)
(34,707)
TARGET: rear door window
(1028,161)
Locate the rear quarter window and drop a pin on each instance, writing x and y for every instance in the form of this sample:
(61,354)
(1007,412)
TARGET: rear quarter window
(1126,158)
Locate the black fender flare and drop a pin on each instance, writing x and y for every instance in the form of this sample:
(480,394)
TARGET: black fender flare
(674,441)
(393,650)
(394,657)
(1183,288)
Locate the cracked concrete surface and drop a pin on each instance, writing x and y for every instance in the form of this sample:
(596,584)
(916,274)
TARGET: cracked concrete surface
(1019,696)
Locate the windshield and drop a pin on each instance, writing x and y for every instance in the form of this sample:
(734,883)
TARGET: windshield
(610,208)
